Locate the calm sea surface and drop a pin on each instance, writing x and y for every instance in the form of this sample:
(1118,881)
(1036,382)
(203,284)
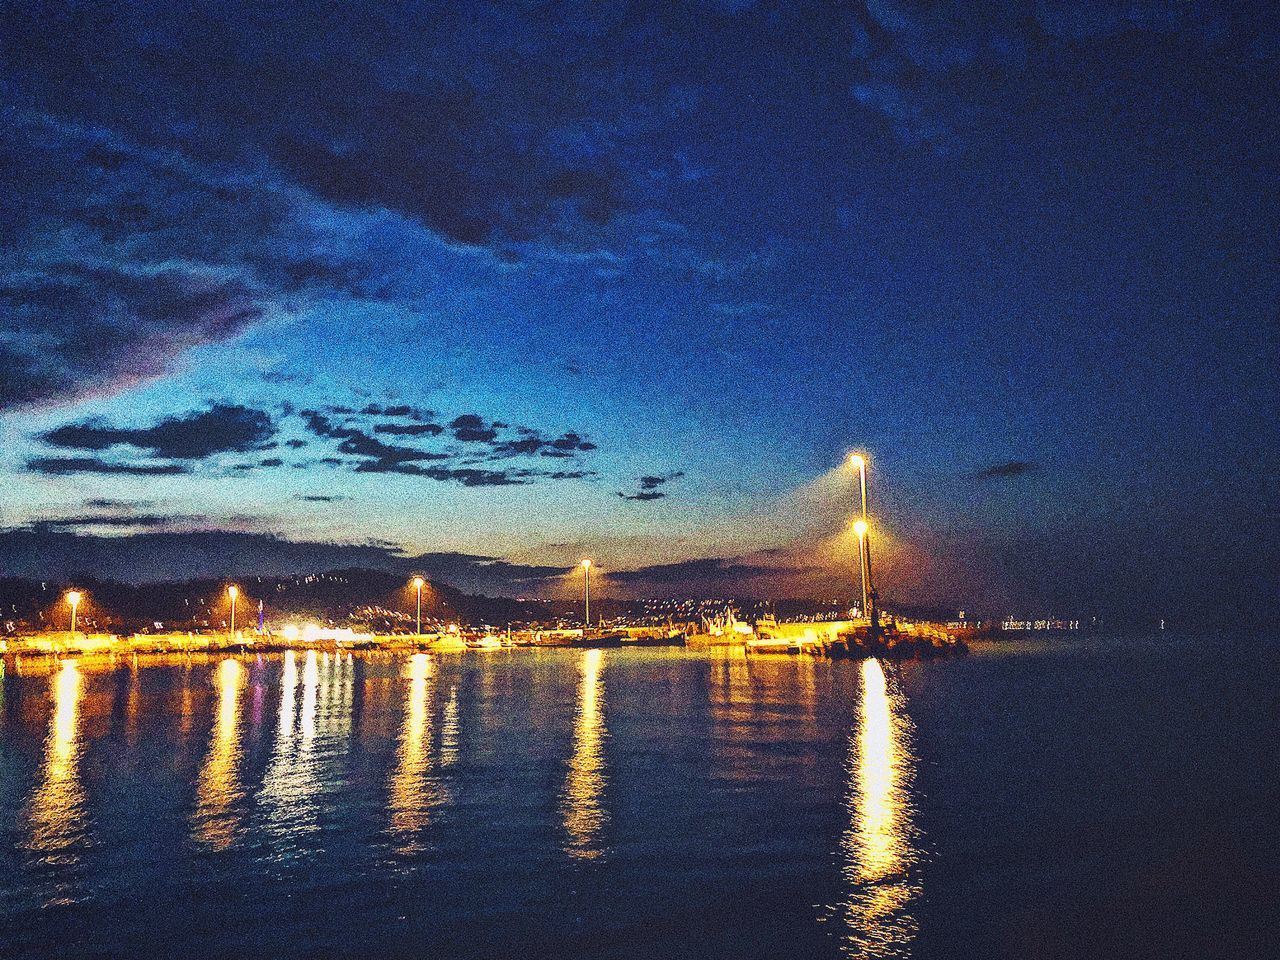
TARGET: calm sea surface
(1096,798)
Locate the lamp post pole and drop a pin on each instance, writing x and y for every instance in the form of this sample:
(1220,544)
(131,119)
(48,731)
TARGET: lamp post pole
(233,593)
(586,594)
(73,598)
(417,582)
(860,464)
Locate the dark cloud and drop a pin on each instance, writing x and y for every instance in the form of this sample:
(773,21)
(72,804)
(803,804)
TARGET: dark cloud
(471,476)
(1006,470)
(651,481)
(649,485)
(61,466)
(320,497)
(409,429)
(358,443)
(109,503)
(571,442)
(148,556)
(937,70)
(222,428)
(379,457)
(471,428)
(126,520)
(74,330)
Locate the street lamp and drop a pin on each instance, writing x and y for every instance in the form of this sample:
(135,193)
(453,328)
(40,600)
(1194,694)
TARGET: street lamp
(73,598)
(859,463)
(586,594)
(418,584)
(233,592)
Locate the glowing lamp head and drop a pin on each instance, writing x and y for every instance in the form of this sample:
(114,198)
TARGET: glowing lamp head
(857,461)
(586,564)
(418,583)
(73,597)
(233,592)
(860,528)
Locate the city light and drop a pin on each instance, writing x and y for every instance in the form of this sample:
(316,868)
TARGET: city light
(73,598)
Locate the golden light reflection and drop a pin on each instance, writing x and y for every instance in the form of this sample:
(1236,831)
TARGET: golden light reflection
(449,731)
(290,784)
(218,788)
(879,851)
(582,807)
(412,792)
(56,811)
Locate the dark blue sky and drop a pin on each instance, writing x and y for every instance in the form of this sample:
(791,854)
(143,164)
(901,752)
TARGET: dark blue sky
(535,280)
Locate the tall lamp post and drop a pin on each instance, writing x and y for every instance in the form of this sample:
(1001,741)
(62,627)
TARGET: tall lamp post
(586,594)
(418,584)
(73,598)
(860,528)
(233,592)
(859,463)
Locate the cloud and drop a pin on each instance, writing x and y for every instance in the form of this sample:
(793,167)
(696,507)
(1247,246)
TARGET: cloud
(148,556)
(320,497)
(649,485)
(73,330)
(223,428)
(125,520)
(356,442)
(61,466)
(471,476)
(933,70)
(109,503)
(409,429)
(470,428)
(1006,470)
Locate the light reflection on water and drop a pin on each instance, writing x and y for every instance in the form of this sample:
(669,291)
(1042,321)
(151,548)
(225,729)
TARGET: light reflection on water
(56,812)
(589,804)
(288,794)
(879,845)
(413,793)
(583,803)
(216,821)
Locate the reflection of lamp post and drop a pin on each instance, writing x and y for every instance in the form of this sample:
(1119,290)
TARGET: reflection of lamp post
(73,598)
(233,592)
(586,593)
(418,583)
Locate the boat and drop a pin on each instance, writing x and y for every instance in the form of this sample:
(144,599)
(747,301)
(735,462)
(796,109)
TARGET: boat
(667,640)
(774,645)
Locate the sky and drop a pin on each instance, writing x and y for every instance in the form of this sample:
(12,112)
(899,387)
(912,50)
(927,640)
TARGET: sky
(480,289)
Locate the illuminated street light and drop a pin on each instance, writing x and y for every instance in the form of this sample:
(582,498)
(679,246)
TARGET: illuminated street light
(233,592)
(73,598)
(418,584)
(586,594)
